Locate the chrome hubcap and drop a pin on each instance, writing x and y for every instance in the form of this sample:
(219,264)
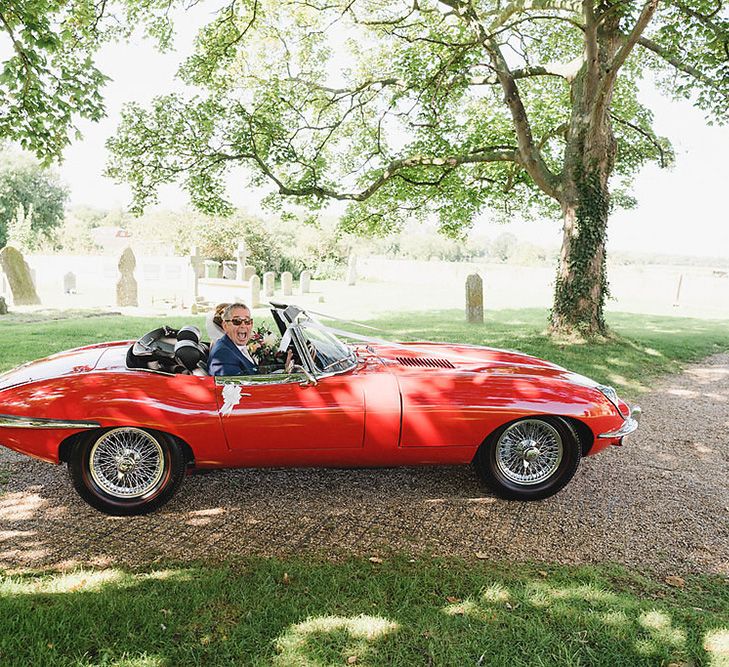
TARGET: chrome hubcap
(529,452)
(126,463)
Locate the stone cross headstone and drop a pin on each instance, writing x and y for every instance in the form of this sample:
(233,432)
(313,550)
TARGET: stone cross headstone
(19,277)
(305,281)
(3,306)
(126,286)
(69,283)
(352,270)
(254,285)
(241,254)
(196,262)
(287,281)
(269,280)
(248,271)
(474,299)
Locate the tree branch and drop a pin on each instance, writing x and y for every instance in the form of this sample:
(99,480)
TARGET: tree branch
(591,55)
(608,80)
(529,155)
(395,168)
(678,64)
(646,14)
(706,19)
(647,135)
(21,54)
(523,6)
(566,71)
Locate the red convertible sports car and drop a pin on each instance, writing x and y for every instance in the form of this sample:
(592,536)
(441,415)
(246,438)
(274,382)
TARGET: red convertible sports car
(131,418)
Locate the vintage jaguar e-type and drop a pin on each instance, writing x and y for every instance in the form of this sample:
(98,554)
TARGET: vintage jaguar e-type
(132,418)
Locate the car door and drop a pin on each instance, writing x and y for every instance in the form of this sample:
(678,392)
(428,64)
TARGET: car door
(286,411)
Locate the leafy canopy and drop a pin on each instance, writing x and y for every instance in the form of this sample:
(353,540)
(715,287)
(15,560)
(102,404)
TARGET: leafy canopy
(48,79)
(404,109)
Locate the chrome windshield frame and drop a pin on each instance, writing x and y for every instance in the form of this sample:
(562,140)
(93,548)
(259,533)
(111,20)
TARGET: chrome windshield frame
(292,317)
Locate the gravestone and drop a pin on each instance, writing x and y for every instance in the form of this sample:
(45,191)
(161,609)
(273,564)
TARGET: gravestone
(126,286)
(69,283)
(305,281)
(19,277)
(230,270)
(241,255)
(678,291)
(254,285)
(248,271)
(3,306)
(352,270)
(269,281)
(196,262)
(474,299)
(212,268)
(287,281)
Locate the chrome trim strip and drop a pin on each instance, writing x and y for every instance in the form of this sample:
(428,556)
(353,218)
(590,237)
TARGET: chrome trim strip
(260,380)
(629,425)
(11,421)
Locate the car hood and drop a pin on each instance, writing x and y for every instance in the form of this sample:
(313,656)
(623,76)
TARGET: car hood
(70,362)
(426,356)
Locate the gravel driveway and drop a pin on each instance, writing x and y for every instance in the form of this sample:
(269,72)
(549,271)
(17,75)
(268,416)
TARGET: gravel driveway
(660,502)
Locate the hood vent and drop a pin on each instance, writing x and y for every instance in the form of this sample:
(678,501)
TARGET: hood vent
(430,362)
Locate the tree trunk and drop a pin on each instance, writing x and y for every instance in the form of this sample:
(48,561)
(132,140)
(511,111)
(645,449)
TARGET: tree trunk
(581,285)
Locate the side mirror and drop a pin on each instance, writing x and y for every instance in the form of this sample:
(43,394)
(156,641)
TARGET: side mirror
(311,381)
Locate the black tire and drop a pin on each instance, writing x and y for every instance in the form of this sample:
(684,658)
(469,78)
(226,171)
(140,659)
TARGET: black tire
(549,445)
(127,471)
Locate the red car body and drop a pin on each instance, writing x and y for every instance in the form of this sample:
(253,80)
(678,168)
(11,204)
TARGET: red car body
(396,404)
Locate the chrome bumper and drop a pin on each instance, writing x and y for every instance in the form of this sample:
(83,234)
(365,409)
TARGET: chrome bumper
(628,427)
(10,421)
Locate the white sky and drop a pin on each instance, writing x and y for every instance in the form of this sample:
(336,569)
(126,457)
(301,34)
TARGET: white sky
(680,211)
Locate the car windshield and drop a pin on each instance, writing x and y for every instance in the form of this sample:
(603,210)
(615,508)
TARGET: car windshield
(332,356)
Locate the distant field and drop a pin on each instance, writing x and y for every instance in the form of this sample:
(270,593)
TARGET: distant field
(652,289)
(387,285)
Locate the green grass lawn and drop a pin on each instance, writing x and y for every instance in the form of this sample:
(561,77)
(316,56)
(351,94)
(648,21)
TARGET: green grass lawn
(641,348)
(398,612)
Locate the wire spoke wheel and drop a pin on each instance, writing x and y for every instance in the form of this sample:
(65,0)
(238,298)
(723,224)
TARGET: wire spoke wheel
(127,463)
(529,452)
(127,470)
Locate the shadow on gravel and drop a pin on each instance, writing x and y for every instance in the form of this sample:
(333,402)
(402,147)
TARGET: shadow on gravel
(659,502)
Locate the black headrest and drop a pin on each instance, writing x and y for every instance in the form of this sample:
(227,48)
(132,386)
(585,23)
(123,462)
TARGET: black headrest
(188,353)
(189,332)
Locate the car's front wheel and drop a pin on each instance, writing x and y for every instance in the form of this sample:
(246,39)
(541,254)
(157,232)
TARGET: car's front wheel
(529,459)
(127,470)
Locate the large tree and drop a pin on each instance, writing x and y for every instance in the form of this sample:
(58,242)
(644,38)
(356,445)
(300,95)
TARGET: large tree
(435,108)
(31,194)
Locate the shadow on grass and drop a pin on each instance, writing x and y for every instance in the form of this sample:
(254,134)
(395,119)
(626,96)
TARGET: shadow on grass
(265,611)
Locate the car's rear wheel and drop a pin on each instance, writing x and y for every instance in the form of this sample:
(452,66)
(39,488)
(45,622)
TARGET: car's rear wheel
(127,470)
(529,459)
